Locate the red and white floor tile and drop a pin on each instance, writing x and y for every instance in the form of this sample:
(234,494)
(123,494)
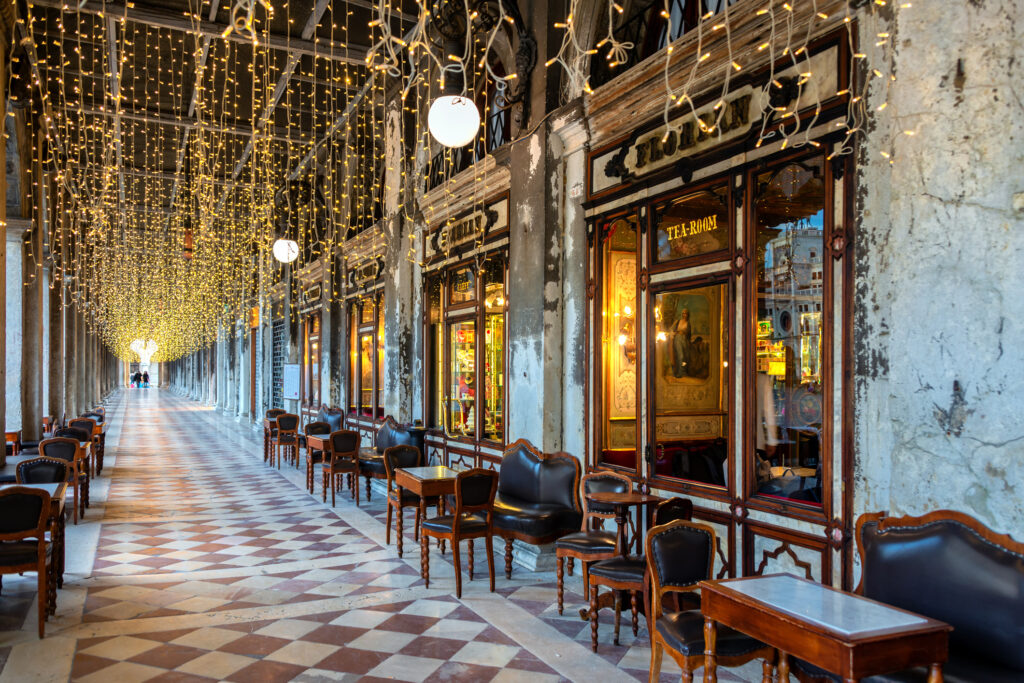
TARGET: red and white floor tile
(197,562)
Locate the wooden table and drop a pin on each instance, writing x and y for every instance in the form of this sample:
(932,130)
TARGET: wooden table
(622,502)
(843,633)
(426,482)
(58,492)
(8,473)
(322,443)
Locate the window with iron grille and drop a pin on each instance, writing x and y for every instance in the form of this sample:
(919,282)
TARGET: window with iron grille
(278,350)
(647,29)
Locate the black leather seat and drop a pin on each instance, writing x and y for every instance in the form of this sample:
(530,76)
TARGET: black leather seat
(390,433)
(588,542)
(684,632)
(444,523)
(538,497)
(618,569)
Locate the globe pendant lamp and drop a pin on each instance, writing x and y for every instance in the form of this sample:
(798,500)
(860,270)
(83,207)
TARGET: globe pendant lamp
(286,250)
(454,120)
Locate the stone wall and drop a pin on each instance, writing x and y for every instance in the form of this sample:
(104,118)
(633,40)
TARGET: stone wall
(940,271)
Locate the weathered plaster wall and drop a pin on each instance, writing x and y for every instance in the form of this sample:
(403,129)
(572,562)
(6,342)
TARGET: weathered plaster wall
(940,271)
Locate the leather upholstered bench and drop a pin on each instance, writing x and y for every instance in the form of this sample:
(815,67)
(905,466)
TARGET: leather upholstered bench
(538,499)
(390,433)
(947,566)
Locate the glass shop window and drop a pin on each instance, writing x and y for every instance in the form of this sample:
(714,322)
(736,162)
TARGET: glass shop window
(435,352)
(692,225)
(789,228)
(494,351)
(311,360)
(691,383)
(466,350)
(366,357)
(618,325)
(381,371)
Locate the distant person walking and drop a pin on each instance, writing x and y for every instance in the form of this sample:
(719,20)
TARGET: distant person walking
(145,379)
(137,379)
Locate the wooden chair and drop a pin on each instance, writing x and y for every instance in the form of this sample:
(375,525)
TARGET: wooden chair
(344,459)
(285,439)
(315,455)
(680,555)
(398,498)
(592,543)
(68,450)
(87,426)
(473,518)
(24,521)
(629,573)
(270,433)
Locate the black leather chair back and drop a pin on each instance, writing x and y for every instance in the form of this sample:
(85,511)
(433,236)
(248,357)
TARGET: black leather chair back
(60,447)
(475,489)
(391,434)
(344,441)
(73,433)
(603,482)
(84,424)
(317,428)
(946,570)
(681,553)
(273,412)
(672,510)
(23,511)
(400,456)
(287,422)
(332,416)
(526,476)
(41,470)
(94,416)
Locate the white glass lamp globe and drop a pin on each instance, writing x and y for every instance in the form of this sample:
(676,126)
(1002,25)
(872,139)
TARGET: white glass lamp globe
(285,250)
(453,120)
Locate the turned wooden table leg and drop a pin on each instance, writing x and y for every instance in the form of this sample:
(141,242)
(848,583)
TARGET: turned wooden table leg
(710,665)
(783,666)
(935,673)
(398,523)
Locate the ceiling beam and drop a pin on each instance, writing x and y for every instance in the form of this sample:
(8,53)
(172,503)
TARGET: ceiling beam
(367,4)
(159,18)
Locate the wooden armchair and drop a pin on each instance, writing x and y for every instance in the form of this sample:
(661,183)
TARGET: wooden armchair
(69,450)
(473,518)
(680,555)
(344,459)
(285,440)
(24,521)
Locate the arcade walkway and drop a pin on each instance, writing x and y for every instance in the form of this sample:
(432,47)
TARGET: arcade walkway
(198,562)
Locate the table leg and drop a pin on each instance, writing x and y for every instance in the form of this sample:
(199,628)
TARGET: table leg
(398,522)
(710,665)
(784,666)
(935,673)
(424,542)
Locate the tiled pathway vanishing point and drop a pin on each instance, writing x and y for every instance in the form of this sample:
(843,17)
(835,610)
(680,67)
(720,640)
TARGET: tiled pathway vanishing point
(198,562)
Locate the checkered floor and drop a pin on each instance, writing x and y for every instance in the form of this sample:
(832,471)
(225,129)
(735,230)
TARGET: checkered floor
(201,563)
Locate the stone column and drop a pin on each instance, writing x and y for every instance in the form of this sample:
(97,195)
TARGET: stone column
(3,229)
(70,357)
(32,333)
(16,229)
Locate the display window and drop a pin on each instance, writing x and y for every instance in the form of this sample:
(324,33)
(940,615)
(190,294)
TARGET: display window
(789,385)
(693,225)
(689,381)
(619,249)
(311,362)
(465,350)
(366,357)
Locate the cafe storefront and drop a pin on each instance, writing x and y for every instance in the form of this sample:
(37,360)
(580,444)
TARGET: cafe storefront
(466,302)
(364,315)
(718,289)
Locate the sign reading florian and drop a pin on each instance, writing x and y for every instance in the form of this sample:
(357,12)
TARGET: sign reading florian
(694,132)
(476,226)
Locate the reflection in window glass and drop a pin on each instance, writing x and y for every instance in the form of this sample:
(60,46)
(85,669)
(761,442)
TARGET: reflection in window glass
(462,393)
(691,384)
(462,288)
(435,363)
(494,351)
(367,315)
(692,225)
(619,342)
(381,374)
(789,214)
(366,374)
(353,371)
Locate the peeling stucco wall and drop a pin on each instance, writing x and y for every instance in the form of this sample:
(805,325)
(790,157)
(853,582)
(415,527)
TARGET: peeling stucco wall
(939,271)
